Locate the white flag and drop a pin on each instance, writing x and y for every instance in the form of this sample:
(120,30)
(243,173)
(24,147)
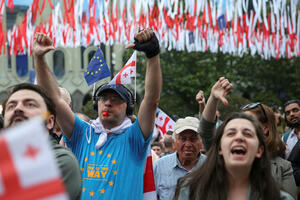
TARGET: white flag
(149,184)
(163,122)
(28,169)
(126,73)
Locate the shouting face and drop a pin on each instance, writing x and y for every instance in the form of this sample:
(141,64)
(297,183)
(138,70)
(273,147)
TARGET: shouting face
(240,144)
(23,105)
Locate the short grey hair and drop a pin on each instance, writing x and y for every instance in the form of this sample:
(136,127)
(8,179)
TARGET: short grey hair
(64,92)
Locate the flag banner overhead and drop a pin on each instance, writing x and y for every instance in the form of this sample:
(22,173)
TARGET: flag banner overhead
(97,68)
(126,73)
(267,28)
(163,122)
(28,169)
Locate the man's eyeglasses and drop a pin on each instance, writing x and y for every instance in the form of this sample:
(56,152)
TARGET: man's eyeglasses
(254,105)
(113,99)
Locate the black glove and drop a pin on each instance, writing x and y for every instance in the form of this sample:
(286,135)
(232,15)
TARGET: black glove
(151,47)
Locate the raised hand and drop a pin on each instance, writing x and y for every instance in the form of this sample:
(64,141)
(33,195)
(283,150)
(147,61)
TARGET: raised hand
(41,45)
(220,89)
(200,97)
(201,101)
(147,42)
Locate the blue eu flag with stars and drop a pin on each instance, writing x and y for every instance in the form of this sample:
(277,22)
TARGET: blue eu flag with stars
(97,69)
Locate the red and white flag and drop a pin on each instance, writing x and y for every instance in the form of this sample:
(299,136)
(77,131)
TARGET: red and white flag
(126,73)
(149,184)
(163,122)
(27,164)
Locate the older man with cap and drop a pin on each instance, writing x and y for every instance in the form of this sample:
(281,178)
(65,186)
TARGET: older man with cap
(187,157)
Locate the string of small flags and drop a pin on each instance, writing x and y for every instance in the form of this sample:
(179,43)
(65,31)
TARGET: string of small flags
(269,28)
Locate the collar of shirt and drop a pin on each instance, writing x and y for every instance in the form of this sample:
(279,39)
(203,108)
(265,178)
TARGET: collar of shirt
(176,163)
(293,134)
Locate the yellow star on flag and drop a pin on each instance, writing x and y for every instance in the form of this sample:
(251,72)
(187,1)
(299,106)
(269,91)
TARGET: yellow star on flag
(93,73)
(113,162)
(85,159)
(102,191)
(92,193)
(83,189)
(108,155)
(100,152)
(92,153)
(111,183)
(115,172)
(81,169)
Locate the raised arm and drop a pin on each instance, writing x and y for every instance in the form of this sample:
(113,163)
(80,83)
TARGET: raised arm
(207,122)
(42,44)
(201,101)
(218,92)
(147,42)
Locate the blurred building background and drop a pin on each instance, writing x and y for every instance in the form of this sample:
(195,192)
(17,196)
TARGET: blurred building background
(67,64)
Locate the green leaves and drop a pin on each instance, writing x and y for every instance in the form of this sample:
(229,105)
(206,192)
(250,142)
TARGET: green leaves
(184,74)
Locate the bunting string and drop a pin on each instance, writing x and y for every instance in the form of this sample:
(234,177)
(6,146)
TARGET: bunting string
(269,28)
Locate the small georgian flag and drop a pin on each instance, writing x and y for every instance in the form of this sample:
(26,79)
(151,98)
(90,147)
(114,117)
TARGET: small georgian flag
(126,73)
(28,169)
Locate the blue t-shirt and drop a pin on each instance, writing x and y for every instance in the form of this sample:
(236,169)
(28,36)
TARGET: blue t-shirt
(115,171)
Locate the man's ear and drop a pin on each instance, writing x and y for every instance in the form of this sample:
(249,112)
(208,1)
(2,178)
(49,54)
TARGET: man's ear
(50,122)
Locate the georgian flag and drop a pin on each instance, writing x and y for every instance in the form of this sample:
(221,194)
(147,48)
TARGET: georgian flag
(128,71)
(163,122)
(28,169)
(149,184)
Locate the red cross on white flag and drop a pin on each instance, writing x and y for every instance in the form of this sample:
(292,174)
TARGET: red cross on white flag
(163,122)
(128,71)
(149,184)
(27,164)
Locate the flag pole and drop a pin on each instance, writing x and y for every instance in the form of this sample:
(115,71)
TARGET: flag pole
(94,87)
(135,84)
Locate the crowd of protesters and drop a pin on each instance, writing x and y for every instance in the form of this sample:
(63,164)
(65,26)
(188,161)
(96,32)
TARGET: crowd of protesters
(246,156)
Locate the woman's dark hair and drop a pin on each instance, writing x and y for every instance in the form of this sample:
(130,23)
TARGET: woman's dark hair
(1,122)
(274,143)
(158,144)
(28,86)
(209,181)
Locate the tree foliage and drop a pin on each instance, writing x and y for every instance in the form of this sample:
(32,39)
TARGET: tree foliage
(253,78)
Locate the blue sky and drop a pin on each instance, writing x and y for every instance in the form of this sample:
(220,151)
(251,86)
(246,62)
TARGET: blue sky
(22,2)
(29,2)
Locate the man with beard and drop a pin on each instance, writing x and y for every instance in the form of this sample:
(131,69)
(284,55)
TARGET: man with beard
(292,137)
(26,101)
(111,150)
(292,118)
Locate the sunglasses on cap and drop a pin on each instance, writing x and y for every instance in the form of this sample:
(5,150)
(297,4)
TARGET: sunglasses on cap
(254,105)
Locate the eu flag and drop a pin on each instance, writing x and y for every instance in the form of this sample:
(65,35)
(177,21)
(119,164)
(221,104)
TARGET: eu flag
(221,22)
(97,69)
